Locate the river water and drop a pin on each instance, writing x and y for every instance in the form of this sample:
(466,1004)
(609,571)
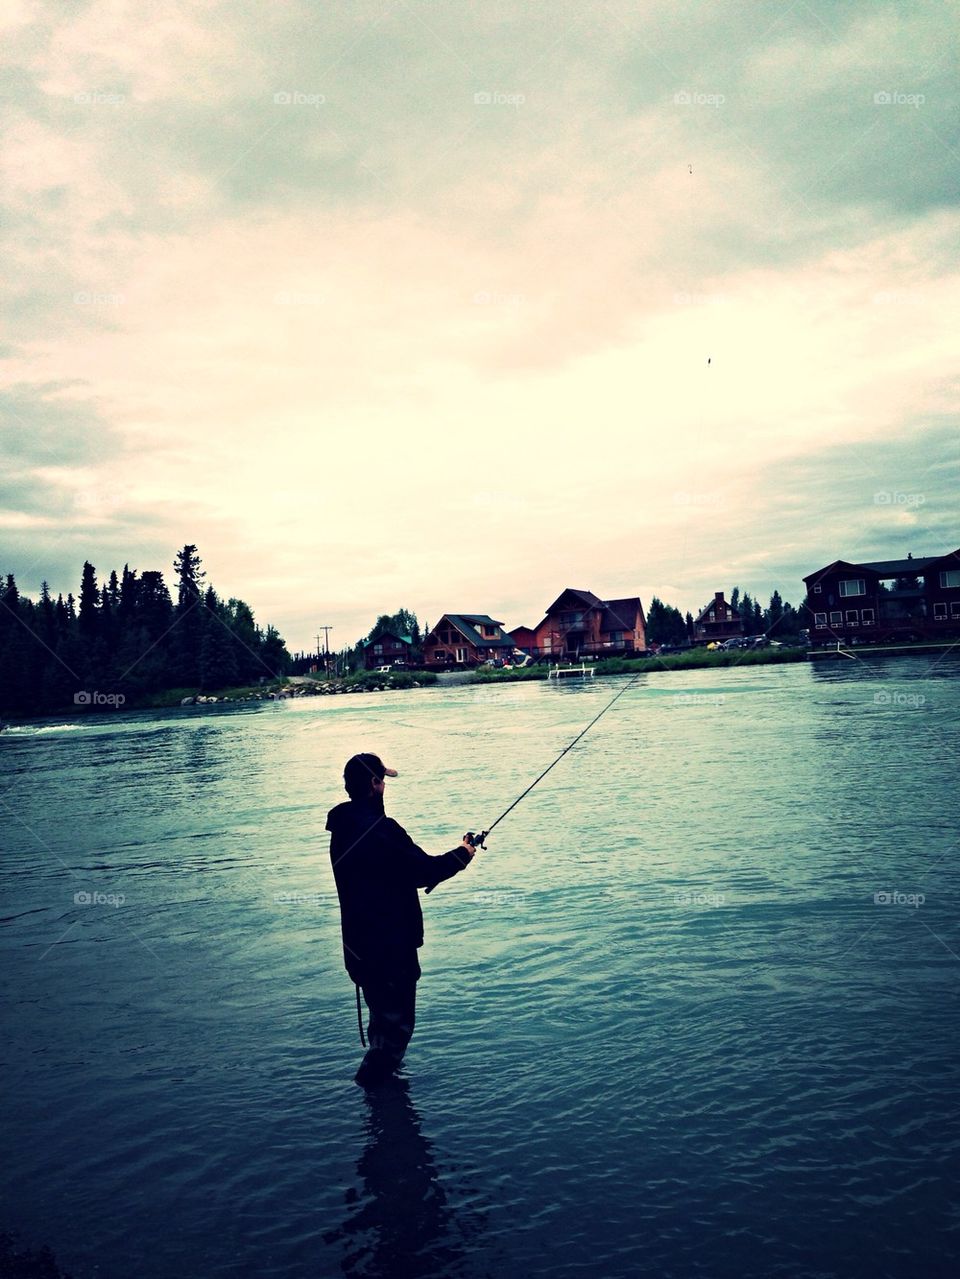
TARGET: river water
(693,1012)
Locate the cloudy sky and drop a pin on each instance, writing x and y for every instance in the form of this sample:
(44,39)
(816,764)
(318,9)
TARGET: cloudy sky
(451,304)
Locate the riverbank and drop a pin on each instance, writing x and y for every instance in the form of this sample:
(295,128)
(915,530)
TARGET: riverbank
(693,659)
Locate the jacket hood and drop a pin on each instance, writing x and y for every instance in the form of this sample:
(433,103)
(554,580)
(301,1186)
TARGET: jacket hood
(348,812)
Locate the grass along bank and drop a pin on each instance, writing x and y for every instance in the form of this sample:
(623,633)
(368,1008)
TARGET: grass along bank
(693,659)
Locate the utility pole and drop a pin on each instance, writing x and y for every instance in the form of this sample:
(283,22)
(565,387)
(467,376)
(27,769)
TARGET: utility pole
(326,647)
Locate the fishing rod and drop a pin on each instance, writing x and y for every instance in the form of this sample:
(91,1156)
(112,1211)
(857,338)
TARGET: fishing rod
(479,841)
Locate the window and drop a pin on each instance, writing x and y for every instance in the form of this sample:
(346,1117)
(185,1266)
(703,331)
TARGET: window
(489,632)
(817,588)
(616,637)
(461,654)
(852,618)
(852,586)
(949,577)
(939,612)
(955,608)
(819,619)
(836,617)
(866,616)
(729,616)
(571,619)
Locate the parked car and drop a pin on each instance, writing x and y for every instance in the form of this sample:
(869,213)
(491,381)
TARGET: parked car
(383,670)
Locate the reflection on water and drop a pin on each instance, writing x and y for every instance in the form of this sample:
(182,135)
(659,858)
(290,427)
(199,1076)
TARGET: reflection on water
(404,1223)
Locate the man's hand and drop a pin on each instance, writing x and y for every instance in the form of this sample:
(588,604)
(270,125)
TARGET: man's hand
(469,845)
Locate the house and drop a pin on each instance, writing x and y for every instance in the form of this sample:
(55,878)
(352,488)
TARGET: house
(717,621)
(466,639)
(885,600)
(524,638)
(386,649)
(578,624)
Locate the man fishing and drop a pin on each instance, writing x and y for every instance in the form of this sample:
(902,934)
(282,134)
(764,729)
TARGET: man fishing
(378,869)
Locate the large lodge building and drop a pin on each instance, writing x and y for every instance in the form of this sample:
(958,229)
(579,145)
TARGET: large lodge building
(885,600)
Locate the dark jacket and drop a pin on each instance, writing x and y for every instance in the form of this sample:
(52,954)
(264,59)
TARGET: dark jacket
(378,869)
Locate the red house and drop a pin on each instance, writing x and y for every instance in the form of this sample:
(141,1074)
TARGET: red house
(387,650)
(885,600)
(578,624)
(717,621)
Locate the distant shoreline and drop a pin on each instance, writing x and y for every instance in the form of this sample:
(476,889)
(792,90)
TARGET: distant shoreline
(403,681)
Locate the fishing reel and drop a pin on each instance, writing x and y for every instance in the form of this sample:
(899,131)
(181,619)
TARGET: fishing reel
(476,841)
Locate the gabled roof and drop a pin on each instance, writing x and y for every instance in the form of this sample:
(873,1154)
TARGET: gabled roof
(737,615)
(882,568)
(829,568)
(404,639)
(621,615)
(588,598)
(466,624)
(897,568)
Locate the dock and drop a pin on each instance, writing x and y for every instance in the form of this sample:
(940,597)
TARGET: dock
(585,672)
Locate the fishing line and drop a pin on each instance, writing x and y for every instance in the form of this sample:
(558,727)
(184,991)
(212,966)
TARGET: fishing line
(479,840)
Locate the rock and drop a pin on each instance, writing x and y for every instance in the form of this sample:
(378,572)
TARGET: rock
(187,701)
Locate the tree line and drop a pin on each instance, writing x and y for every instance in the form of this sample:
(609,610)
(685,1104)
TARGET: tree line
(128,639)
(779,620)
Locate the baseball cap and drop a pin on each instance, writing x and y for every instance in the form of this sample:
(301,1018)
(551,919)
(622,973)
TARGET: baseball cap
(359,770)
